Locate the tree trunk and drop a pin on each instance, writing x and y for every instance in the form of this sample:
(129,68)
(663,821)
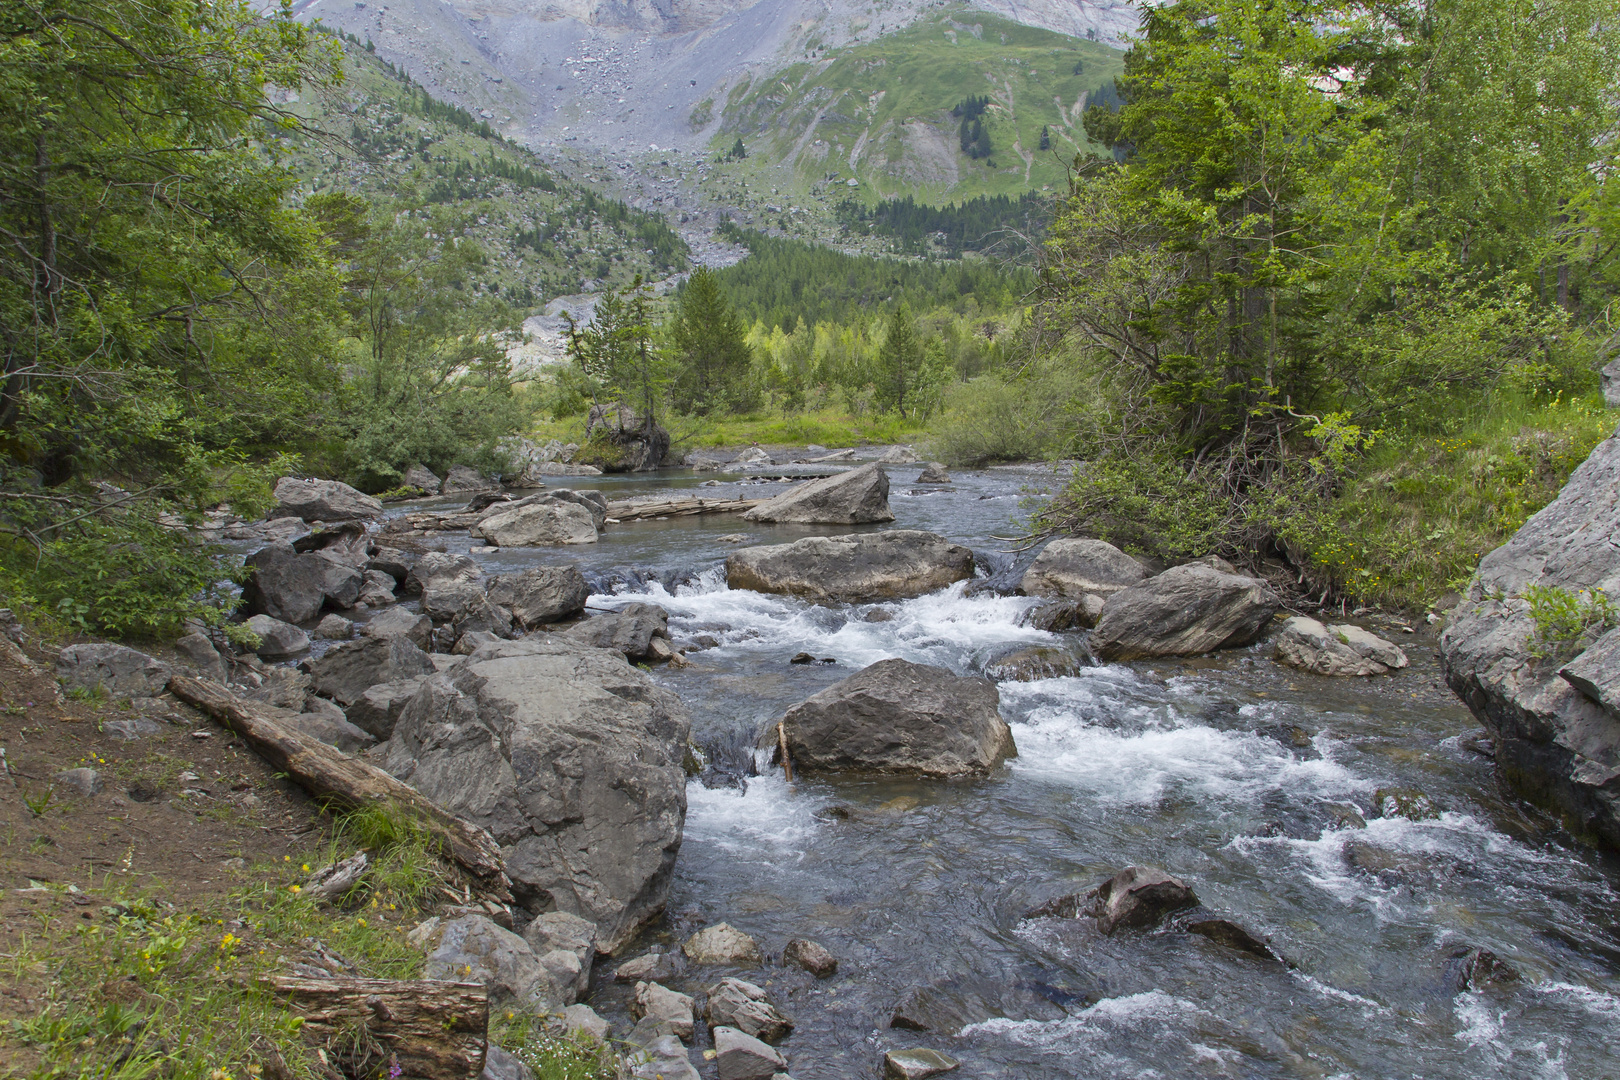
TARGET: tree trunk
(335,778)
(431,1030)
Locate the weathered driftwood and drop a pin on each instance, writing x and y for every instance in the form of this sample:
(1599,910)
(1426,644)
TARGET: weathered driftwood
(642,511)
(334,777)
(431,1030)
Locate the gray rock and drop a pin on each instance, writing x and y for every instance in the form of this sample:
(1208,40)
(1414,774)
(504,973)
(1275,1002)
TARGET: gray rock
(594,502)
(500,1064)
(341,580)
(898,455)
(857,497)
(722,943)
(666,1006)
(277,640)
(541,594)
(812,957)
(900,717)
(334,628)
(395,562)
(916,1064)
(86,782)
(398,622)
(1080,569)
(746,1007)
(1340,649)
(740,1056)
(1035,662)
(1184,611)
(284,584)
(630,630)
(473,949)
(572,759)
(470,642)
(323,500)
(897,564)
(1596,672)
(283,687)
(378,709)
(560,931)
(1232,936)
(1064,615)
(644,968)
(1139,896)
(1609,377)
(663,1058)
(333,730)
(346,671)
(131,729)
(464,478)
(542,522)
(440,568)
(933,473)
(951,1004)
(1556,743)
(376,590)
(582,1019)
(199,651)
(444,601)
(117,669)
(422,478)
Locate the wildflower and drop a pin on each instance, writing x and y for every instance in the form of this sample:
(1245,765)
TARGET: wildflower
(306,868)
(294,888)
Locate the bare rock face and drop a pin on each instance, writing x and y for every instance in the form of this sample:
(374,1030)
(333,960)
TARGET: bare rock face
(323,500)
(1184,611)
(542,522)
(900,717)
(1086,572)
(1552,716)
(346,672)
(857,497)
(897,564)
(1340,649)
(572,759)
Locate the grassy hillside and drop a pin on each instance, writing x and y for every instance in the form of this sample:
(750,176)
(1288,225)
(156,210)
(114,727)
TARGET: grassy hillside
(542,234)
(882,113)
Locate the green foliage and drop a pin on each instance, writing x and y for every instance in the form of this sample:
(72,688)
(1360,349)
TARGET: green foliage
(1563,619)
(616,354)
(985,223)
(1309,256)
(998,417)
(551,1056)
(711,351)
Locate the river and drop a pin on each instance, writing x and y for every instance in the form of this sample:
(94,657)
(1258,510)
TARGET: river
(1258,785)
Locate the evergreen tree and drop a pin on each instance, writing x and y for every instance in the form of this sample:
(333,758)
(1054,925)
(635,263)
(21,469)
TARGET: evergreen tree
(1046,138)
(712,357)
(898,361)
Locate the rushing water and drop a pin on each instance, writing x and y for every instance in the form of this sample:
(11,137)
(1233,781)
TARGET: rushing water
(1254,783)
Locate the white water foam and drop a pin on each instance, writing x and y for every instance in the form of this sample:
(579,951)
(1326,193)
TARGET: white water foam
(1087,732)
(1109,1033)
(944,628)
(768,820)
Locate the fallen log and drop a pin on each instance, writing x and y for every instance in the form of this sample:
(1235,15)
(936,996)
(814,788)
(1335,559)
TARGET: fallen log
(335,778)
(643,511)
(430,1030)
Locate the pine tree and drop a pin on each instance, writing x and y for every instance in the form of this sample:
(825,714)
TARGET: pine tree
(711,351)
(1046,138)
(898,360)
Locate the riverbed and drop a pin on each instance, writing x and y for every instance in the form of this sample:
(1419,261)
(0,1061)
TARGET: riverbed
(1355,825)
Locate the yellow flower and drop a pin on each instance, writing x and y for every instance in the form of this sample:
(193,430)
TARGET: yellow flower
(306,868)
(295,888)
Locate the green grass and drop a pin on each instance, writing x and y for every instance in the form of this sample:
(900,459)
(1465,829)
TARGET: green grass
(143,989)
(1423,511)
(919,74)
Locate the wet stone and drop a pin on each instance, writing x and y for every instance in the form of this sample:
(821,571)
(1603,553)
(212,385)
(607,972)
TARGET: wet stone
(916,1064)
(811,956)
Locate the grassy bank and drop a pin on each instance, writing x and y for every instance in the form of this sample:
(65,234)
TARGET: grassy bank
(1415,521)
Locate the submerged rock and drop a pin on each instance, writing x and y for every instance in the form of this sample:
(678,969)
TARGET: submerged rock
(1139,896)
(572,759)
(1036,662)
(857,497)
(1232,936)
(900,717)
(1184,611)
(893,565)
(1340,649)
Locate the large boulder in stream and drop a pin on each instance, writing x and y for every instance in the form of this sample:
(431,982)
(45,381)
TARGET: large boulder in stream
(537,521)
(900,717)
(571,758)
(893,565)
(541,594)
(1184,611)
(857,497)
(1082,571)
(323,500)
(1551,706)
(1340,649)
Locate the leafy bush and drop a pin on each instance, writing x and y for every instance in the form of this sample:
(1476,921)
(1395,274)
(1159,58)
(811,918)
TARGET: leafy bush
(1563,618)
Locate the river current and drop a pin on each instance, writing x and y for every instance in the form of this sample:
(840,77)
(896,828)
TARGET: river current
(1274,794)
